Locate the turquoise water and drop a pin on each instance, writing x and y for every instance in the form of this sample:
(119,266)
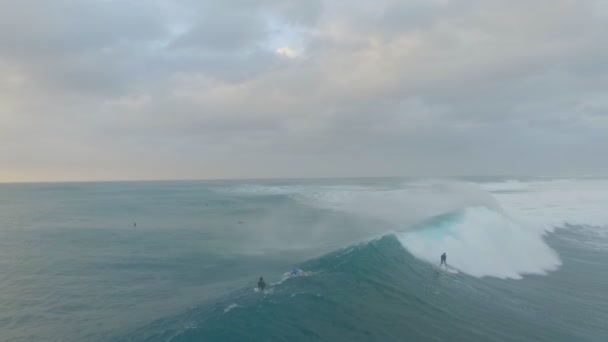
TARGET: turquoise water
(75,267)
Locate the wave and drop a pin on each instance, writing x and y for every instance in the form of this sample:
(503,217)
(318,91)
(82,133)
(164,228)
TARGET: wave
(375,290)
(429,218)
(360,292)
(482,242)
(511,185)
(326,305)
(460,219)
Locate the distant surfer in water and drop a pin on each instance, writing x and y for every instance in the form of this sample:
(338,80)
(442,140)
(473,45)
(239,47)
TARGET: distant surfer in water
(261,284)
(296,272)
(443,260)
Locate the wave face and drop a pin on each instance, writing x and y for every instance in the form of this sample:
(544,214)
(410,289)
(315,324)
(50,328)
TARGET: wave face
(377,291)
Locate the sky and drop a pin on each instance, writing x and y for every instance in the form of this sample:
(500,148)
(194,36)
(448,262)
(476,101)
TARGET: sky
(216,89)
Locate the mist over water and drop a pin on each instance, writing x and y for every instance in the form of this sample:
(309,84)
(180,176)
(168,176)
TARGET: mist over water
(433,217)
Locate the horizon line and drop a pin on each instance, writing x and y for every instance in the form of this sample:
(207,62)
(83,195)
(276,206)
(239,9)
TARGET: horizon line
(161,180)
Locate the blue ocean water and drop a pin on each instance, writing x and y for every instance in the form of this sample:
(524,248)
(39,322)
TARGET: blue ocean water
(179,261)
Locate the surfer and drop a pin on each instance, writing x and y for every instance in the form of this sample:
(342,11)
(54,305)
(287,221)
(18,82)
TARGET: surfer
(443,260)
(296,272)
(261,284)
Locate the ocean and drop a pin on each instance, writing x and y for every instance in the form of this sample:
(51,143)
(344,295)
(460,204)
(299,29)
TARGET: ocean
(179,261)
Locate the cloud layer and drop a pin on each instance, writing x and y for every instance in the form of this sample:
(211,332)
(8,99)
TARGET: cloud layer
(165,89)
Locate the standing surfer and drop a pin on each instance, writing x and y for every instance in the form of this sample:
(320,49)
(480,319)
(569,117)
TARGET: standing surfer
(261,284)
(443,260)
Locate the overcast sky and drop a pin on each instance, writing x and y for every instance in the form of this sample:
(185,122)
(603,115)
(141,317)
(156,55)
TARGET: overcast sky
(188,89)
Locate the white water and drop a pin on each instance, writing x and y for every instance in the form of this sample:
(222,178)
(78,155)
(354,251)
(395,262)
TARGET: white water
(230,307)
(502,227)
(482,242)
(555,202)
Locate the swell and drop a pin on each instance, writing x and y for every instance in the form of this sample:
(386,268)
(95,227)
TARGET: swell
(390,289)
(371,291)
(367,283)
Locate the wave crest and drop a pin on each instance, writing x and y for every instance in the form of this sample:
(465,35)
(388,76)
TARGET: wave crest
(482,242)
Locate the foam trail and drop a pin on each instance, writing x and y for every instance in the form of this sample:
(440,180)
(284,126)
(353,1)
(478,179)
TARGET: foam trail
(482,242)
(230,307)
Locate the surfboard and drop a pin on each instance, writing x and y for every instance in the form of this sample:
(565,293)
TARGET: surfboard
(450,269)
(267,290)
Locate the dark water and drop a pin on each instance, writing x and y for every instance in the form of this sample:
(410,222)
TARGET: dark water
(74,267)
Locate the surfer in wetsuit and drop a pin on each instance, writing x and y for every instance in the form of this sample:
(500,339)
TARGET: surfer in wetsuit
(261,284)
(443,260)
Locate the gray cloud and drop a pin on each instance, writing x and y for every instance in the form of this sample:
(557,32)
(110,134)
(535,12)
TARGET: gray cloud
(188,89)
(42,29)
